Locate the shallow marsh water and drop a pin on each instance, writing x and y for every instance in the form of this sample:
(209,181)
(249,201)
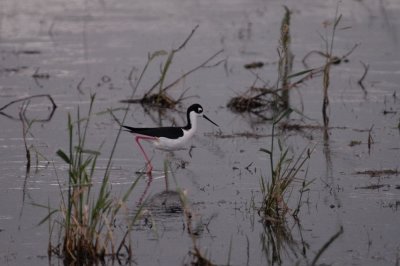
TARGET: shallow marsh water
(83,46)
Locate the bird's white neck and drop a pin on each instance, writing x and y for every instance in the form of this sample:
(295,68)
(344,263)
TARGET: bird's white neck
(192,122)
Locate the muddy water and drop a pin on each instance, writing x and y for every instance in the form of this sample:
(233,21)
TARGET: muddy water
(80,47)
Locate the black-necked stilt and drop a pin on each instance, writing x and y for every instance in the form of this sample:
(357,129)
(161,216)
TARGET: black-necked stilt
(169,138)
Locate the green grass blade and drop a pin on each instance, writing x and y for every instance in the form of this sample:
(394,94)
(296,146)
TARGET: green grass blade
(63,156)
(266,151)
(300,73)
(282,115)
(47,217)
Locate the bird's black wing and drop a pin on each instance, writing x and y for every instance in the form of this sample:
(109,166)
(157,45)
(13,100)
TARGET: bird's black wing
(167,132)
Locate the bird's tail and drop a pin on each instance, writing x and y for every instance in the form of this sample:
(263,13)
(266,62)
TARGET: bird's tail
(129,129)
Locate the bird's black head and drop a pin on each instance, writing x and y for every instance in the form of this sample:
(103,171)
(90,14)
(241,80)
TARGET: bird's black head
(195,108)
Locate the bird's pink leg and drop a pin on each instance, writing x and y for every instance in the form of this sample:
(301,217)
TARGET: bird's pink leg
(137,138)
(149,166)
(150,177)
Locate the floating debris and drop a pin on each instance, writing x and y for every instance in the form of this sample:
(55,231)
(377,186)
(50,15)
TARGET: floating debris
(355,143)
(254,65)
(377,173)
(373,186)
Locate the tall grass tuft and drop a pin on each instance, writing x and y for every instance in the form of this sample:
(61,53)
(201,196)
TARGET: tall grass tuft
(283,173)
(87,215)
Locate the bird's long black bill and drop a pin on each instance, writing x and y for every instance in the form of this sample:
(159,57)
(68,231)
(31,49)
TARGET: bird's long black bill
(210,120)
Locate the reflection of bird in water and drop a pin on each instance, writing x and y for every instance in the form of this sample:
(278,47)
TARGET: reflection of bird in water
(163,208)
(167,207)
(166,202)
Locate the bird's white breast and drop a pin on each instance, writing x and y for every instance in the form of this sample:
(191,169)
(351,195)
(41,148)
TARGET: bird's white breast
(166,143)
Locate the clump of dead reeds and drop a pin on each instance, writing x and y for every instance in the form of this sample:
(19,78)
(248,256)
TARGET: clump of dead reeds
(87,215)
(157,95)
(258,99)
(283,174)
(255,100)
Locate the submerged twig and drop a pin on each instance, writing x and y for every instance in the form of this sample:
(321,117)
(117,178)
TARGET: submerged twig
(38,75)
(326,245)
(360,81)
(370,139)
(26,123)
(25,129)
(79,88)
(29,98)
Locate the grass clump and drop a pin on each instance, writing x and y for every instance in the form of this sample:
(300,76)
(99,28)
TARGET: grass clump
(276,191)
(255,100)
(284,172)
(87,214)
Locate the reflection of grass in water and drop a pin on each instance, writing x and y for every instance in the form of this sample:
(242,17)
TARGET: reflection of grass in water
(197,257)
(87,219)
(278,238)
